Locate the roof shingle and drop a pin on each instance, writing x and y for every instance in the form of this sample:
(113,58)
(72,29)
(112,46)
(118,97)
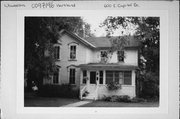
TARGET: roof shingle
(101,42)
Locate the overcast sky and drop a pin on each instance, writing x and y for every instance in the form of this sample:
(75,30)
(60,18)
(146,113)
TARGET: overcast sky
(95,21)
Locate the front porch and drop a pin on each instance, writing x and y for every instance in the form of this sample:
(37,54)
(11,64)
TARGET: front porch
(95,77)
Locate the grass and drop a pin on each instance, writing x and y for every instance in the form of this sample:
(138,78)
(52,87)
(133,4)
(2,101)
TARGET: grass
(58,102)
(47,102)
(121,104)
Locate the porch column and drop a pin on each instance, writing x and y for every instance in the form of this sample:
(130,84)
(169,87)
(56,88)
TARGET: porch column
(133,77)
(81,76)
(88,75)
(134,82)
(104,77)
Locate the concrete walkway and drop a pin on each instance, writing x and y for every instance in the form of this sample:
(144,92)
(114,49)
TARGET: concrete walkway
(77,104)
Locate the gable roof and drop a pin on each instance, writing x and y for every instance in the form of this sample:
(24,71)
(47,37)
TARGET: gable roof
(102,42)
(78,38)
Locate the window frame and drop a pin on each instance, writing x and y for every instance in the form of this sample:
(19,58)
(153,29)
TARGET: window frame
(84,76)
(54,54)
(120,56)
(58,76)
(101,58)
(72,81)
(130,72)
(123,77)
(70,51)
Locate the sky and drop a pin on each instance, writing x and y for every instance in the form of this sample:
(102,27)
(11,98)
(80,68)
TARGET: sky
(95,21)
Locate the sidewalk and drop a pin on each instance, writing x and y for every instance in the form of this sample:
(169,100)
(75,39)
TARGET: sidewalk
(77,104)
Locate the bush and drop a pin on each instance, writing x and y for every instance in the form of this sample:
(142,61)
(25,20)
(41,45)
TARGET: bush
(150,86)
(85,93)
(64,90)
(136,100)
(122,98)
(113,86)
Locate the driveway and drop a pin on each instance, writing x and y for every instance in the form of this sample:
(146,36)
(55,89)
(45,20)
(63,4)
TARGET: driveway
(67,102)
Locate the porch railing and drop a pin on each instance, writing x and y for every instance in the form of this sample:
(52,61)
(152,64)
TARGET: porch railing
(82,91)
(96,93)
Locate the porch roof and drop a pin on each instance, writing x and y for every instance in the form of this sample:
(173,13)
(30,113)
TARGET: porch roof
(108,66)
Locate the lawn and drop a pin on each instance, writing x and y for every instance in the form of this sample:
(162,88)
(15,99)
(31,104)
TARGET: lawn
(47,102)
(58,102)
(120,104)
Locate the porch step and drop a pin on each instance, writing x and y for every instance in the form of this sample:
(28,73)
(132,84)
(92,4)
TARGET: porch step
(90,96)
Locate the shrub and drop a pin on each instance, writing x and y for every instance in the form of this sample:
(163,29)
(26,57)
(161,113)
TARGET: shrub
(150,86)
(85,93)
(136,100)
(106,98)
(122,98)
(113,86)
(64,90)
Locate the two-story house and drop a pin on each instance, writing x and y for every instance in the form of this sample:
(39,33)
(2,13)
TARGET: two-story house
(79,62)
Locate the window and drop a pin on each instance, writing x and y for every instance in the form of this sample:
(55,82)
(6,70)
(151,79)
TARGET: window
(56,76)
(120,56)
(72,52)
(104,55)
(57,52)
(84,76)
(72,76)
(127,78)
(109,77)
(119,77)
(100,77)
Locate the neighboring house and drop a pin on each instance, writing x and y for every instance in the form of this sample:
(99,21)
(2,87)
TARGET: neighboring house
(80,63)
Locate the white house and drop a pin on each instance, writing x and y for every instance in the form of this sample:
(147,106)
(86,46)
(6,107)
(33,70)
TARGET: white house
(79,62)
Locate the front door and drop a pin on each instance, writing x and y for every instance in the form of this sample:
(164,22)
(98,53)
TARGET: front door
(93,77)
(92,83)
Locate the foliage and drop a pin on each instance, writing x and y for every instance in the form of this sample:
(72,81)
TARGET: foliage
(85,93)
(40,35)
(150,87)
(122,98)
(64,90)
(113,86)
(146,30)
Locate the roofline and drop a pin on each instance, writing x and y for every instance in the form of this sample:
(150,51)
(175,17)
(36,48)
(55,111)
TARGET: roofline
(79,38)
(85,42)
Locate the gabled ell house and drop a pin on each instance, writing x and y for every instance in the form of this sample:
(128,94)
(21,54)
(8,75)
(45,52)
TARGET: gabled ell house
(80,63)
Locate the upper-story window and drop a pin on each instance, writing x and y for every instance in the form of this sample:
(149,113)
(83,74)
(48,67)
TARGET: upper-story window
(57,52)
(120,56)
(104,55)
(73,52)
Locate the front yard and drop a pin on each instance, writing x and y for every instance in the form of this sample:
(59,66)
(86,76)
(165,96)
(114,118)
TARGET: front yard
(47,102)
(120,104)
(59,102)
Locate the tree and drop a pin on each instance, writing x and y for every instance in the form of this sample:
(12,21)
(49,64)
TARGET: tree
(40,35)
(146,30)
